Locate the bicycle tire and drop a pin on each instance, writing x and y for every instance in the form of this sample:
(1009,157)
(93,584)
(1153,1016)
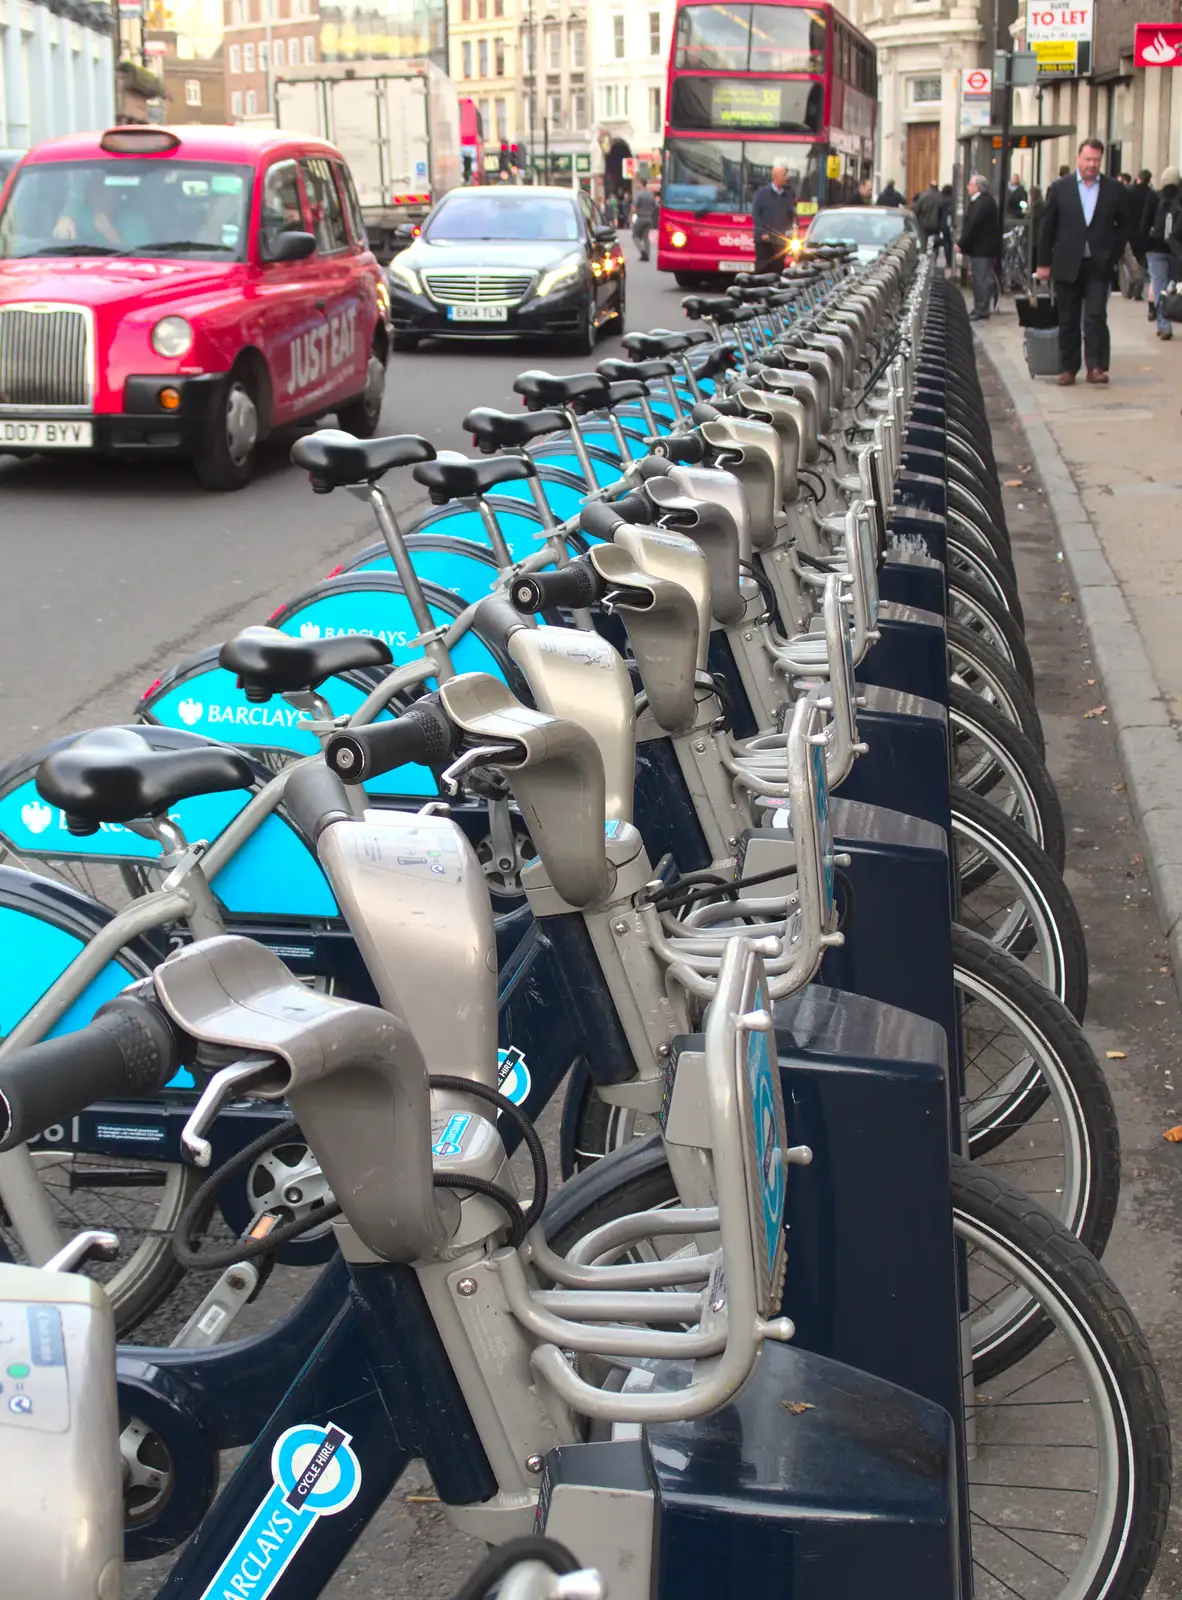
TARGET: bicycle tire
(1011,759)
(1051,921)
(1070,1294)
(974,606)
(992,1218)
(964,558)
(982,671)
(1057,1062)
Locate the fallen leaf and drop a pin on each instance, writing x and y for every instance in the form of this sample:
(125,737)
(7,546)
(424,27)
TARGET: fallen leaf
(1115,1055)
(1013,483)
(1163,969)
(1096,711)
(424,1499)
(1091,683)
(797,1406)
(1174,1135)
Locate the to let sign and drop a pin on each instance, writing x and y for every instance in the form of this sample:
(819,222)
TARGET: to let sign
(1157,44)
(1048,20)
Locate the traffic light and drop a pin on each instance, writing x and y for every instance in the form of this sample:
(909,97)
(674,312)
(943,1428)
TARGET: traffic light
(504,157)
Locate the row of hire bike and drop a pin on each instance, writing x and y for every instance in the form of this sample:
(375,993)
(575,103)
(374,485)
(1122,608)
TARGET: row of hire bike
(680,766)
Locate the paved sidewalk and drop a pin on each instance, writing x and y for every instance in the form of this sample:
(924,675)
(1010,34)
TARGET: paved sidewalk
(1111,462)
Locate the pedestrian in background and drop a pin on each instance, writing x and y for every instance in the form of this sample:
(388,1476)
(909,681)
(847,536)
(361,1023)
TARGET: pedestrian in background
(773,216)
(927,213)
(1016,199)
(890,196)
(644,217)
(1038,205)
(865,194)
(1163,247)
(945,238)
(980,244)
(1084,229)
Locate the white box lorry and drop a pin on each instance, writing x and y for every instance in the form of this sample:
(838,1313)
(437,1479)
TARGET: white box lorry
(397,124)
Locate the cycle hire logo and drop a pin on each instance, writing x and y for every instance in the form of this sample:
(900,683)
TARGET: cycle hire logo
(36,816)
(316,1474)
(309,630)
(190,711)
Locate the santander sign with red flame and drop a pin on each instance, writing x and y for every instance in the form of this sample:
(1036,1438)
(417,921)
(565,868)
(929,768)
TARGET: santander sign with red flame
(1157,44)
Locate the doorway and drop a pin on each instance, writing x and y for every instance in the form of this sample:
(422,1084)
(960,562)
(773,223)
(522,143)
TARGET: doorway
(923,157)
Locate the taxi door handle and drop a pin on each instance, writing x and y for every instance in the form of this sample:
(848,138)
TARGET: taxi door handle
(320,304)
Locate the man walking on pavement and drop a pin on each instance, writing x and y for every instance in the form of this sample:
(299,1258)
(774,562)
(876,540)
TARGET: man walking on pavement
(927,213)
(1164,247)
(1083,231)
(980,243)
(773,216)
(644,217)
(1016,198)
(890,196)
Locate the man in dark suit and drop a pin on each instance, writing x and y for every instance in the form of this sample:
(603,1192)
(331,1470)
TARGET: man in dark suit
(980,244)
(1080,240)
(773,216)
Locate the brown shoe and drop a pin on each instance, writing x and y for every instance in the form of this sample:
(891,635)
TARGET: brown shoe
(1097,375)
(1066,379)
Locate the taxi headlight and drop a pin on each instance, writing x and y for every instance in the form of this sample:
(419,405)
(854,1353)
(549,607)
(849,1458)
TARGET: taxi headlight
(562,275)
(405,275)
(172,337)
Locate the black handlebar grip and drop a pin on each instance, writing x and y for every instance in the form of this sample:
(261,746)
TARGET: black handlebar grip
(653,467)
(634,507)
(600,520)
(314,797)
(687,448)
(571,588)
(129,1051)
(423,734)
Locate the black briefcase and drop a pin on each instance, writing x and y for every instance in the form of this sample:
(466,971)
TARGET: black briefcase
(1037,311)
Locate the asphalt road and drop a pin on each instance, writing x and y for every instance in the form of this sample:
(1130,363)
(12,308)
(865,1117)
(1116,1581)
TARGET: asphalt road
(112,571)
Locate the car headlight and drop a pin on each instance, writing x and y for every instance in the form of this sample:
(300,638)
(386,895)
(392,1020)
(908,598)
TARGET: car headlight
(562,275)
(172,337)
(406,275)
(677,240)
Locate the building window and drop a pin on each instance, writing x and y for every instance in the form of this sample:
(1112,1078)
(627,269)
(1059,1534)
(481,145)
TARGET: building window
(553,50)
(238,13)
(654,110)
(527,40)
(502,121)
(482,53)
(498,8)
(618,38)
(654,33)
(466,48)
(248,58)
(482,9)
(466,11)
(578,49)
(251,103)
(235,59)
(499,57)
(578,109)
(277,53)
(236,103)
(310,51)
(192,92)
(926,91)
(611,99)
(485,122)
(262,55)
(554,109)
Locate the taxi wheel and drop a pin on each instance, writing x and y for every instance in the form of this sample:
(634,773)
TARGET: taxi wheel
(619,322)
(361,416)
(226,460)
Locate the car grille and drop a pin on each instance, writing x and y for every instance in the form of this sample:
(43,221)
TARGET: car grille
(45,356)
(478,288)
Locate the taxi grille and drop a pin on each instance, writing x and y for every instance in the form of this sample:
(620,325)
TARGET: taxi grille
(44,356)
(478,288)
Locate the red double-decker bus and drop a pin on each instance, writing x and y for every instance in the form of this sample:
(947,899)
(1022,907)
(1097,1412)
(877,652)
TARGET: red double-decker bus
(751,87)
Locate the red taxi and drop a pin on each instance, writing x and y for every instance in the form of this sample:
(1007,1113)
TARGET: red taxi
(185,291)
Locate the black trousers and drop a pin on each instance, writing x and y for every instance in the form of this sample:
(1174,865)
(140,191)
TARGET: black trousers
(1084,301)
(769,255)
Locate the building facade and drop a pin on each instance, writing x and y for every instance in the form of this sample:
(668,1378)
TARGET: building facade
(483,44)
(57,69)
(630,57)
(262,39)
(1137,111)
(183,41)
(555,84)
(923,46)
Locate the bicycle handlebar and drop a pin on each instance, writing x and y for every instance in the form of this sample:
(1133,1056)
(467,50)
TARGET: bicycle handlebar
(129,1051)
(423,734)
(572,588)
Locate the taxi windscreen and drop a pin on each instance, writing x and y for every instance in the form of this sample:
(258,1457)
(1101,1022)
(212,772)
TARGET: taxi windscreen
(127,207)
